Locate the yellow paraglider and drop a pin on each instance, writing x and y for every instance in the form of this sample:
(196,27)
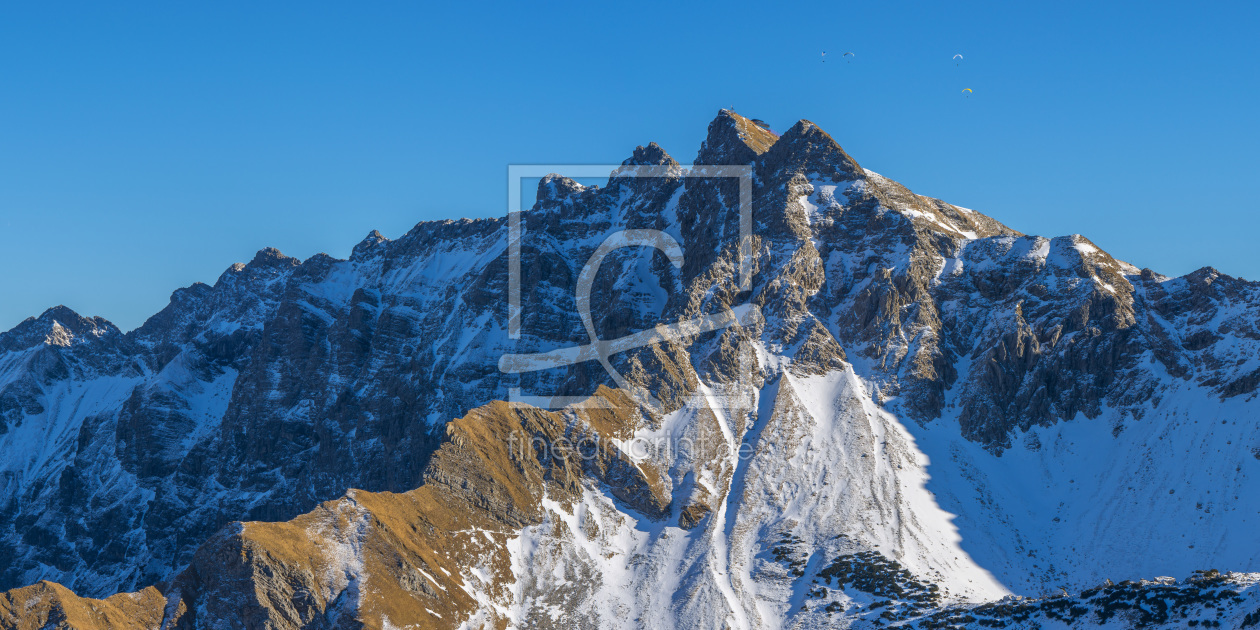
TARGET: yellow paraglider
(967,91)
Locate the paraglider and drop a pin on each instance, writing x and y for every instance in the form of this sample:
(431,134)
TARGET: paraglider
(967,91)
(849,55)
(824,57)
(957,57)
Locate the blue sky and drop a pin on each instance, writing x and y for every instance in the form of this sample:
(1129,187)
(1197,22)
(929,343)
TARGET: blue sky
(146,147)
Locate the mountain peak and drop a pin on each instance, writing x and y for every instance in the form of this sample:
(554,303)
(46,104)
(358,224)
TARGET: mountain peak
(808,148)
(60,312)
(889,350)
(734,139)
(57,326)
(651,155)
(368,245)
(271,257)
(555,187)
(266,263)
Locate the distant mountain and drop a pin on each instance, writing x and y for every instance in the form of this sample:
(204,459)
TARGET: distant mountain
(913,416)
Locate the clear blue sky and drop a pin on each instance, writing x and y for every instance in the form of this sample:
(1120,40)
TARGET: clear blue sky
(148,147)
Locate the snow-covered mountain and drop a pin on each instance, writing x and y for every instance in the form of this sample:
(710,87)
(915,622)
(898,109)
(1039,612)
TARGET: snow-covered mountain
(921,417)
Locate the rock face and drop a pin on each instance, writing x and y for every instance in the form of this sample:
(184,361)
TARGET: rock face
(925,407)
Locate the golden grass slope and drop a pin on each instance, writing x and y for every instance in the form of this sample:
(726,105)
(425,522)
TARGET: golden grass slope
(377,560)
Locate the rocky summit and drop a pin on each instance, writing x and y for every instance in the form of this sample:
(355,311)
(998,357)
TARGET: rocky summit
(910,415)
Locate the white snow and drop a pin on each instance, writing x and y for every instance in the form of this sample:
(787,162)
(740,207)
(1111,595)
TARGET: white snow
(940,222)
(805,476)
